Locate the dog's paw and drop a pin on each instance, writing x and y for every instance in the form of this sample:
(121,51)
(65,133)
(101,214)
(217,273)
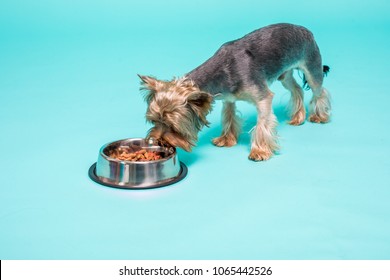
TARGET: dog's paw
(318,119)
(297,119)
(260,154)
(225,141)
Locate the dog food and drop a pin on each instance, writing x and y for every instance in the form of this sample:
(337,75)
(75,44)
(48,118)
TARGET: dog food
(124,153)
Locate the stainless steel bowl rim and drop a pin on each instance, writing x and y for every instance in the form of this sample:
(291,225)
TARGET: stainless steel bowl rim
(129,161)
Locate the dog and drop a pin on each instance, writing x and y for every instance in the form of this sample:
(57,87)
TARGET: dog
(242,69)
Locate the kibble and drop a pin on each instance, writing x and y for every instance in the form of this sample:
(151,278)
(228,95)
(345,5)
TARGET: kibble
(124,153)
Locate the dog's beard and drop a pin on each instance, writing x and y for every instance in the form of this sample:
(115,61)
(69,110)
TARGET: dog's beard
(167,135)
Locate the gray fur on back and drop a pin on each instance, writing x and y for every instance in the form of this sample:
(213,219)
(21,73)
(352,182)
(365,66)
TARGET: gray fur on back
(258,58)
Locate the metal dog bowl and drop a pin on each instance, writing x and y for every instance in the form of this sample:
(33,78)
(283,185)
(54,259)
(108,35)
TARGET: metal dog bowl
(126,174)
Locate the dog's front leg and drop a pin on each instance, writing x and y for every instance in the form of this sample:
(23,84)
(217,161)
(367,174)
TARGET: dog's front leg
(231,126)
(264,139)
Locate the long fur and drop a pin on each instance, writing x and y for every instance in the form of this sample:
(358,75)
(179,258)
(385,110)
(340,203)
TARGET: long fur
(320,107)
(264,137)
(296,106)
(231,126)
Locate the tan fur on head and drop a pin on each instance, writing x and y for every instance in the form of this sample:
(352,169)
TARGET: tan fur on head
(177,109)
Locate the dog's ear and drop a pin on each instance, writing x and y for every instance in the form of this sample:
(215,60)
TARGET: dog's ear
(200,102)
(151,85)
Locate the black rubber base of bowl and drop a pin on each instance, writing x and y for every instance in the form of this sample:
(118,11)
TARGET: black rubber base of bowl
(182,174)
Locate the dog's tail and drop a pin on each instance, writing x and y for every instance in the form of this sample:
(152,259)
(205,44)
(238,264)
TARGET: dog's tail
(325,70)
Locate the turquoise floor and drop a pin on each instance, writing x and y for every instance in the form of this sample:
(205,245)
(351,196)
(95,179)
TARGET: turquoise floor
(68,85)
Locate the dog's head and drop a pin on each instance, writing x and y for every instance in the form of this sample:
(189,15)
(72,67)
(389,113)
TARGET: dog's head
(177,109)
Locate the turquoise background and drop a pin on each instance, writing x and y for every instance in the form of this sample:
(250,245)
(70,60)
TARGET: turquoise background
(68,85)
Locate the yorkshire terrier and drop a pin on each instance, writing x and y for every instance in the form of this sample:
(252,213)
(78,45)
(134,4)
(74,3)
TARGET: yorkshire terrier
(242,69)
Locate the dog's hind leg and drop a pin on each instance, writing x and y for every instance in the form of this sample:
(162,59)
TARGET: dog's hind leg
(297,106)
(320,106)
(231,126)
(264,139)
